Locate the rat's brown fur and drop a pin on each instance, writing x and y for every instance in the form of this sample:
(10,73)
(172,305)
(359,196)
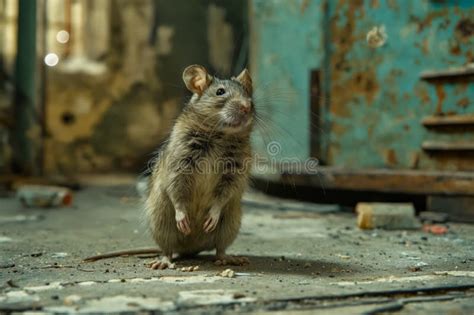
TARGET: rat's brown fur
(199,178)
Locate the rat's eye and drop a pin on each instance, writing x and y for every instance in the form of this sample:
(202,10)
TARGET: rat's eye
(220,91)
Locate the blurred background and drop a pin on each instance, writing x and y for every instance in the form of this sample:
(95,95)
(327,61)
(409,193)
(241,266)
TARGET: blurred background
(94,86)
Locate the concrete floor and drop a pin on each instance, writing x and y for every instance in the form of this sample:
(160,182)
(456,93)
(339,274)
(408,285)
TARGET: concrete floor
(303,257)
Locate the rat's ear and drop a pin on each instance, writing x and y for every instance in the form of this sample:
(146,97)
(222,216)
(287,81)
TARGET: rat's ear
(246,81)
(196,78)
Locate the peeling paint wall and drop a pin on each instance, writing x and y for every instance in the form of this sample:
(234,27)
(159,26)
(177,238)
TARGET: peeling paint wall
(111,108)
(372,101)
(378,99)
(286,45)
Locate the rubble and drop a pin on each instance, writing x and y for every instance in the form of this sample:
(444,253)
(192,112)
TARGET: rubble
(435,229)
(228,273)
(389,216)
(44,196)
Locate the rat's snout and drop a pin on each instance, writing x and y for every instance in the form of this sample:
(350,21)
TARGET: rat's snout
(238,113)
(244,108)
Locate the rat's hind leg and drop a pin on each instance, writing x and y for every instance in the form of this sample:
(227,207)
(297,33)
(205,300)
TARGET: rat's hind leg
(226,232)
(163,262)
(162,225)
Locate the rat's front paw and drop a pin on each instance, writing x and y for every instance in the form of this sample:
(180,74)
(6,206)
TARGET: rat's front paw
(182,222)
(211,221)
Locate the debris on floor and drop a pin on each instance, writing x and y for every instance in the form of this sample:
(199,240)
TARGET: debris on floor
(190,269)
(227,273)
(72,299)
(435,229)
(20,218)
(113,305)
(389,216)
(208,297)
(312,259)
(44,196)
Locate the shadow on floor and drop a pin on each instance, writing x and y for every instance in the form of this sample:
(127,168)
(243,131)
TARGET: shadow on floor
(274,265)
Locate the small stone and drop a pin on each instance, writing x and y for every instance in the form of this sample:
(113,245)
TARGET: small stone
(228,273)
(435,229)
(72,299)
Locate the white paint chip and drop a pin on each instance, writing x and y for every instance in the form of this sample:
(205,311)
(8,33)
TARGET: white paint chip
(190,279)
(5,239)
(18,296)
(51,286)
(455,273)
(19,218)
(392,279)
(114,305)
(210,297)
(377,37)
(59,255)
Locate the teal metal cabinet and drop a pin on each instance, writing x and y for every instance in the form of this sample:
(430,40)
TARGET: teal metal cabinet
(406,105)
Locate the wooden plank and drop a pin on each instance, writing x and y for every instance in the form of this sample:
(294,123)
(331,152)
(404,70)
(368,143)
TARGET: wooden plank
(450,120)
(382,180)
(453,73)
(459,208)
(447,146)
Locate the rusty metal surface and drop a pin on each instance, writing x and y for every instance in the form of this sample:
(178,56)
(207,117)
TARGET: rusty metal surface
(286,46)
(377,98)
(374,99)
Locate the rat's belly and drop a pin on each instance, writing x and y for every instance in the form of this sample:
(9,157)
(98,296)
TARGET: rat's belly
(203,195)
(196,242)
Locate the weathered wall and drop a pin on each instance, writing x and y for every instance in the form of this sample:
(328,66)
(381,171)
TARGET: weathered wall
(112,109)
(371,101)
(8,26)
(377,97)
(286,45)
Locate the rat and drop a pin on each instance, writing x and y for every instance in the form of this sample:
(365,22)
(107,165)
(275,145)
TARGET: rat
(197,182)
(193,197)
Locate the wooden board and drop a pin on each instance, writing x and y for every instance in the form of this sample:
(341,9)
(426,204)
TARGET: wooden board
(381,180)
(447,146)
(450,120)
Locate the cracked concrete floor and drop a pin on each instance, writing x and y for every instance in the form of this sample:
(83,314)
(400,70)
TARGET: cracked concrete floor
(303,257)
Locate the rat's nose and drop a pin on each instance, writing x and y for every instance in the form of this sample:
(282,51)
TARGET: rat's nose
(244,107)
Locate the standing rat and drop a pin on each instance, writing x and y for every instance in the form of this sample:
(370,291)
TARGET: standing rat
(197,182)
(196,185)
